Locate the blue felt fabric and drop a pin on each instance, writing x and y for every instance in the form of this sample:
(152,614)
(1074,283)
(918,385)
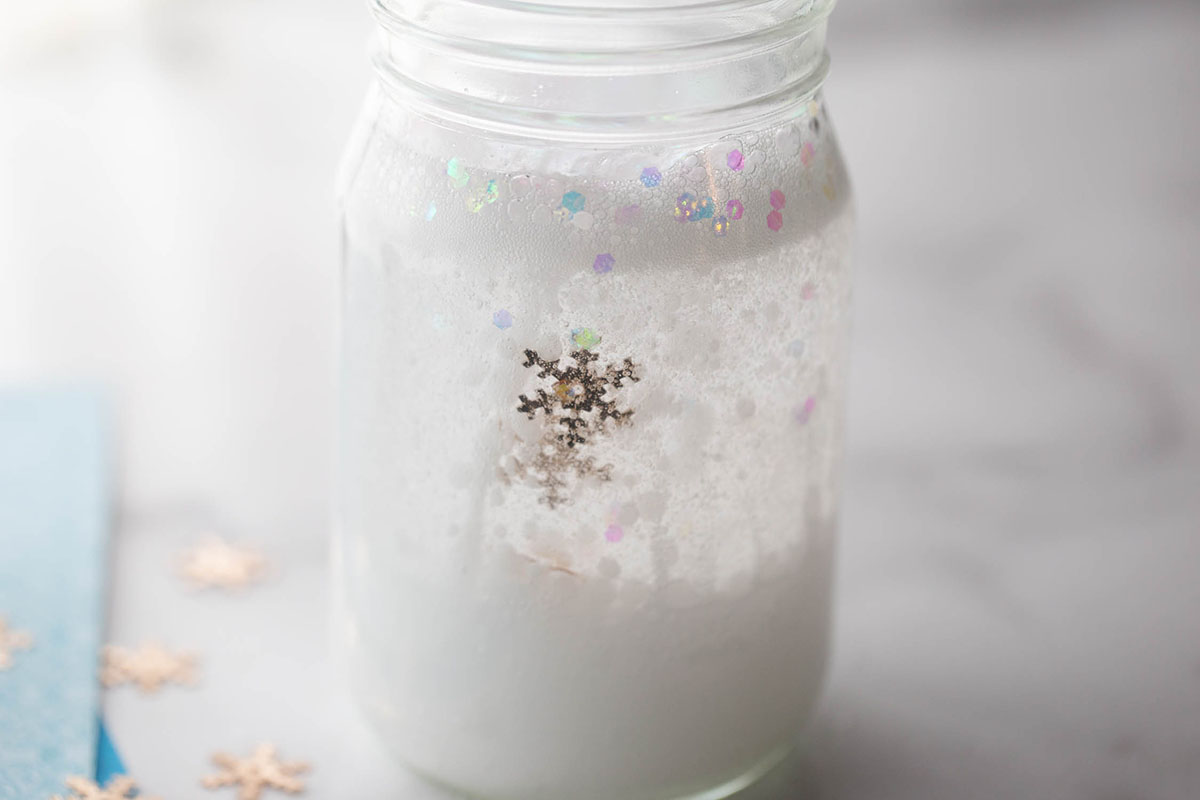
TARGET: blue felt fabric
(54,516)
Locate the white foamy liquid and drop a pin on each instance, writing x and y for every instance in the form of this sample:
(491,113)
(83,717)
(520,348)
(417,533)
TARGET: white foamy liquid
(513,648)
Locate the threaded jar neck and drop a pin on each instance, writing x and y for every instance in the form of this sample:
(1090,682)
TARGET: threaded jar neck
(630,70)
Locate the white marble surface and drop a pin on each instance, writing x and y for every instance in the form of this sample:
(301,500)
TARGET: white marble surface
(1018,582)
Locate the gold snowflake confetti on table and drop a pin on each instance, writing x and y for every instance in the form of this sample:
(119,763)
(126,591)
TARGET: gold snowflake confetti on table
(149,666)
(119,788)
(262,770)
(10,642)
(220,564)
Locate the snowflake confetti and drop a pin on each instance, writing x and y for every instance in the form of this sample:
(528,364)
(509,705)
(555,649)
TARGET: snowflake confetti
(150,667)
(734,209)
(578,408)
(651,177)
(262,770)
(10,642)
(502,319)
(121,787)
(222,565)
(604,263)
(735,160)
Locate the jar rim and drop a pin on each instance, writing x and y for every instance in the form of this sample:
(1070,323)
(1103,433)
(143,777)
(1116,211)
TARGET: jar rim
(552,29)
(573,69)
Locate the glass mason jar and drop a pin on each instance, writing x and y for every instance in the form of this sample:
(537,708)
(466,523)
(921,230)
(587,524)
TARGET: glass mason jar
(595,296)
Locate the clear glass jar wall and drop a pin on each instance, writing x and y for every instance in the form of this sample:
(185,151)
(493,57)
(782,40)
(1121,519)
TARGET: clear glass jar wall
(595,297)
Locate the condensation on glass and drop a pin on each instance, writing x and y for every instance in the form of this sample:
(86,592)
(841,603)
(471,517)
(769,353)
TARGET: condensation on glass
(594,305)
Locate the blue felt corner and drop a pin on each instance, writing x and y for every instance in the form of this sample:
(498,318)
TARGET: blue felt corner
(108,760)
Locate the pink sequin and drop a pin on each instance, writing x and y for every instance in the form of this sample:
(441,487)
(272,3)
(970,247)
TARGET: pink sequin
(734,209)
(808,291)
(614,533)
(806,153)
(774,220)
(803,412)
(735,160)
(628,215)
(778,200)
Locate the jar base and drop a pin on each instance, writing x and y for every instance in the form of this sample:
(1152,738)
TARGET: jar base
(721,791)
(746,779)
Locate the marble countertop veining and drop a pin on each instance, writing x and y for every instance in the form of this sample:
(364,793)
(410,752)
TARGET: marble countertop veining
(1018,582)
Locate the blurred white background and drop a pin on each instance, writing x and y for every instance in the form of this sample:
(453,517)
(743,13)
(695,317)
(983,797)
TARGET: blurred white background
(1022,529)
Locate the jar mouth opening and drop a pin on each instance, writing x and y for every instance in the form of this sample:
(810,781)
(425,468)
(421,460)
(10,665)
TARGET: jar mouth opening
(576,70)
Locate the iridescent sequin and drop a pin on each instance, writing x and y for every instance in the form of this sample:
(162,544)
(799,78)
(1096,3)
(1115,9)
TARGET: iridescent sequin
(485,196)
(502,319)
(735,160)
(651,177)
(720,226)
(569,390)
(585,338)
(707,209)
(734,209)
(807,151)
(573,202)
(459,177)
(685,207)
(628,215)
(604,263)
(431,211)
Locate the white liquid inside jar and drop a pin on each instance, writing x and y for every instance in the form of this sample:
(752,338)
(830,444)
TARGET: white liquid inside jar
(591,429)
